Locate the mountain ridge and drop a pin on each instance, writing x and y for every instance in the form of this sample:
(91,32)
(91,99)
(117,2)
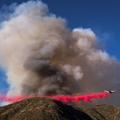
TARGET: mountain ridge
(48,109)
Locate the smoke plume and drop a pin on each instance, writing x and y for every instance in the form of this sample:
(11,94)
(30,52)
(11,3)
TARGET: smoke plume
(42,56)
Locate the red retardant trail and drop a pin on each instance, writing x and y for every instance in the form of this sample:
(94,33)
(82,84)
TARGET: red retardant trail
(62,98)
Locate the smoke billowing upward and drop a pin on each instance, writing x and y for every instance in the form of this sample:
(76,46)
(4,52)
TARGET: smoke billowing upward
(44,57)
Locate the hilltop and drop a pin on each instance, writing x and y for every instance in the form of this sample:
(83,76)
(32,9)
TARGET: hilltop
(47,109)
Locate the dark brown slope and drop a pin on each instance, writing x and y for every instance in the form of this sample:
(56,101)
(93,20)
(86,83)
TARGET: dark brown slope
(46,109)
(101,112)
(41,109)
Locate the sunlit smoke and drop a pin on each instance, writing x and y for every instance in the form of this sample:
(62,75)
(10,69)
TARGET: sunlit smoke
(42,56)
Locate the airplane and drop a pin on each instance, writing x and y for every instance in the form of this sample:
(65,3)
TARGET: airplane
(110,91)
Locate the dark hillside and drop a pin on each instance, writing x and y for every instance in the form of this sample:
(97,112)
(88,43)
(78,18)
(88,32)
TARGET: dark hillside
(46,109)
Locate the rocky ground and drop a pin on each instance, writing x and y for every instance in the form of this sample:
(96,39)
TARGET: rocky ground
(46,109)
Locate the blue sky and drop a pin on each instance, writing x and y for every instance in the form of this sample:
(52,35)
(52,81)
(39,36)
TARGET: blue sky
(102,16)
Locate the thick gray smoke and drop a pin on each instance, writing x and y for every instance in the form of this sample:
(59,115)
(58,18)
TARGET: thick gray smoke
(43,57)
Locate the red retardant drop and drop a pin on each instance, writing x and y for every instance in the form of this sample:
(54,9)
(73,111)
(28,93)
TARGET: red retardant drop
(62,98)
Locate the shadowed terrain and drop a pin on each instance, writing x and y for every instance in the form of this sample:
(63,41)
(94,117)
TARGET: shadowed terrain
(46,109)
